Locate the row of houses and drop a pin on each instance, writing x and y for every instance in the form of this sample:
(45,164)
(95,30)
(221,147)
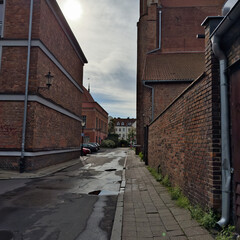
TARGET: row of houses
(188,80)
(123,126)
(42,99)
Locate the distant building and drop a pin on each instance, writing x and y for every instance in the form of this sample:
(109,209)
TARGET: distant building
(39,126)
(123,126)
(96,119)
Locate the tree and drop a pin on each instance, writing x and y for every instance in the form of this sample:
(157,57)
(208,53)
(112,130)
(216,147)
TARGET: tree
(111,127)
(132,135)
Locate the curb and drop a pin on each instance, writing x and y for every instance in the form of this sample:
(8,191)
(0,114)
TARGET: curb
(8,175)
(117,224)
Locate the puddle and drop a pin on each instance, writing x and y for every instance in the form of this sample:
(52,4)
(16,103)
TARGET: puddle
(111,170)
(97,192)
(6,235)
(103,193)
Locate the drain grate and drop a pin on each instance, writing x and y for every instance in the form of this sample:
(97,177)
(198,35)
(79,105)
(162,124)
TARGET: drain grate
(97,192)
(111,170)
(6,235)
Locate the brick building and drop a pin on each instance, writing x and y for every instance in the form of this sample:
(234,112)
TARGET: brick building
(170,56)
(195,139)
(95,117)
(38,126)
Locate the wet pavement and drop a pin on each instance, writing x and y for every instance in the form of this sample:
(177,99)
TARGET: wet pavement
(61,206)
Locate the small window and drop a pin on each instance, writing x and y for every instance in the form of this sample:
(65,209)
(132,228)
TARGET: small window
(122,123)
(120,129)
(123,129)
(118,123)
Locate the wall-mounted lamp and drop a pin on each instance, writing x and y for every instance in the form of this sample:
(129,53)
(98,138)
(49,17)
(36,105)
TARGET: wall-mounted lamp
(49,78)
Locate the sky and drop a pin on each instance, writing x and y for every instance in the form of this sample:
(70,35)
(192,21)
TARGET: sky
(107,33)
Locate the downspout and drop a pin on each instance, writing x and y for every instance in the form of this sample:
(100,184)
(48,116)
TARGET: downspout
(160,30)
(152,88)
(226,167)
(22,160)
(159,34)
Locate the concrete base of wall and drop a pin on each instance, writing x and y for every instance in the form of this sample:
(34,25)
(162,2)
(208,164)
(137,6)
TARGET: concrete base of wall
(35,163)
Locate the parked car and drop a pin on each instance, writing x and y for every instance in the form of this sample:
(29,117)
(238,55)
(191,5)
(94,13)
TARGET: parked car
(91,147)
(85,151)
(96,145)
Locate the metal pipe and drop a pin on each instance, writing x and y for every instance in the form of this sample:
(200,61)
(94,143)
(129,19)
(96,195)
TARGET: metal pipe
(225,134)
(22,161)
(152,88)
(160,30)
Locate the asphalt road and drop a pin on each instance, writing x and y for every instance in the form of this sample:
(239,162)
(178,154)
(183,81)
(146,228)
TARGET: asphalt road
(77,203)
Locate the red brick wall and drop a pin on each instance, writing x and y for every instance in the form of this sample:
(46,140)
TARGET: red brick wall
(181,22)
(62,91)
(53,130)
(52,35)
(46,128)
(185,139)
(13,70)
(94,113)
(11,115)
(186,145)
(16,20)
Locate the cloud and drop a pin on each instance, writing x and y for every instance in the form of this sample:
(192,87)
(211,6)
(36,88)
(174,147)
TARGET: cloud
(107,35)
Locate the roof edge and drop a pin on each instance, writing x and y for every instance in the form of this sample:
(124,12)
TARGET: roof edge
(66,28)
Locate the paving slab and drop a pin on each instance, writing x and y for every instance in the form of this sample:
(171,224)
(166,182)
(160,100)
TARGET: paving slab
(149,212)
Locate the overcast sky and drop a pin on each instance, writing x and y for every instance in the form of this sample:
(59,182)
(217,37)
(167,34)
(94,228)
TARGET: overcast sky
(107,34)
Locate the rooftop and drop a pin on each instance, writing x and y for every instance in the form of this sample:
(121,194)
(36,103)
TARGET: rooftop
(174,66)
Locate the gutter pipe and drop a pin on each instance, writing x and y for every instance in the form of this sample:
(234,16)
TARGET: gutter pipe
(152,88)
(159,35)
(160,30)
(219,31)
(22,160)
(225,134)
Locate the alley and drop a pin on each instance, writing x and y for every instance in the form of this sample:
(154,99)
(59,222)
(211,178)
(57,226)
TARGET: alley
(76,203)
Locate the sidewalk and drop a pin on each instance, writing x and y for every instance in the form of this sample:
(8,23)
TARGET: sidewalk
(149,212)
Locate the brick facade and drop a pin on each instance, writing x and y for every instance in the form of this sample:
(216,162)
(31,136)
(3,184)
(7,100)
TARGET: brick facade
(53,115)
(96,127)
(180,23)
(184,140)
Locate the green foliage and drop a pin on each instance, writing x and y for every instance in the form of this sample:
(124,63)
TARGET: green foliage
(207,219)
(196,212)
(155,174)
(108,144)
(141,155)
(183,202)
(123,143)
(226,234)
(166,181)
(131,135)
(175,193)
(114,138)
(111,127)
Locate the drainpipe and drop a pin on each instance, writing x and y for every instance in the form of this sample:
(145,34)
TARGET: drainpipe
(22,160)
(226,167)
(160,33)
(152,88)
(160,30)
